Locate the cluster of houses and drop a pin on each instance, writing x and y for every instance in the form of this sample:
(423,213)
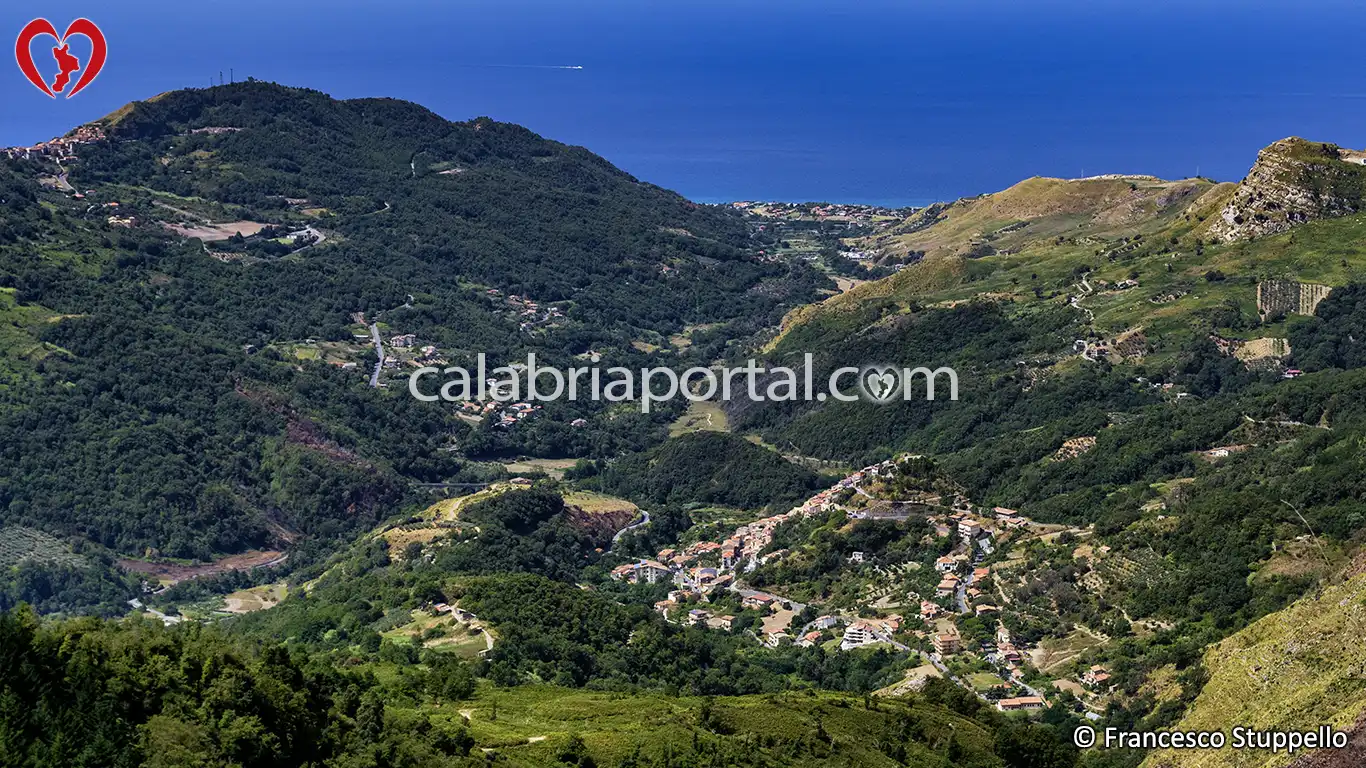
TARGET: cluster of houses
(960,578)
(701,568)
(976,533)
(511,413)
(857,633)
(871,215)
(459,614)
(702,617)
(1096,677)
(963,582)
(643,572)
(869,631)
(531,314)
(709,564)
(504,414)
(424,355)
(62,148)
(114,219)
(698,616)
(1005,653)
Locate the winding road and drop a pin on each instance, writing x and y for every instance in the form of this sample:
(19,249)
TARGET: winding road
(1086,290)
(379,350)
(317,234)
(644,520)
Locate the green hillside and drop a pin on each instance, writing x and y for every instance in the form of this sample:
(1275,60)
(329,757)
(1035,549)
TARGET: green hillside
(711,468)
(1074,286)
(1290,671)
(1037,257)
(188,304)
(428,202)
(208,700)
(1180,405)
(206,321)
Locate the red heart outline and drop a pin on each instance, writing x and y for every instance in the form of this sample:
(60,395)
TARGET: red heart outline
(24,57)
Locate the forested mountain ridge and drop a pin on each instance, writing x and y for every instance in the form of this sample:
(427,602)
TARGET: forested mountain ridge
(189,288)
(708,468)
(483,201)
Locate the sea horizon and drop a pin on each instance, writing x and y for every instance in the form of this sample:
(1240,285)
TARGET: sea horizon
(889,103)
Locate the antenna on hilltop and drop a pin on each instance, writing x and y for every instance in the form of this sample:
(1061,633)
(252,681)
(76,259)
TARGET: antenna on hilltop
(231,78)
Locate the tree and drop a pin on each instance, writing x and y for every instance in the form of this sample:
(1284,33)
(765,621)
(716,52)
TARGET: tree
(448,678)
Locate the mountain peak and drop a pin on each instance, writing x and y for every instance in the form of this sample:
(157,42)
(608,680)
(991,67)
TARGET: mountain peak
(1293,181)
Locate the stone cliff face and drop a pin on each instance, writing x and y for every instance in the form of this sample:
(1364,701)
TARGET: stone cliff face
(1293,181)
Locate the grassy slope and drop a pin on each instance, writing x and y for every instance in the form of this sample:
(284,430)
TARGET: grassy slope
(1060,228)
(19,345)
(612,725)
(1040,208)
(1293,670)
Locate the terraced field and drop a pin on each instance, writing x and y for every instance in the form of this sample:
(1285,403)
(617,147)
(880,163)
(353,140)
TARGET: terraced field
(532,727)
(19,544)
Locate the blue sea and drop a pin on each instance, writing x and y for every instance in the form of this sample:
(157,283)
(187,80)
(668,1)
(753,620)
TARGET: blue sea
(877,101)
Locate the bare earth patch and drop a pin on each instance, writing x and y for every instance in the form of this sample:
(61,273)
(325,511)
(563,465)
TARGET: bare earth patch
(214,232)
(173,573)
(255,599)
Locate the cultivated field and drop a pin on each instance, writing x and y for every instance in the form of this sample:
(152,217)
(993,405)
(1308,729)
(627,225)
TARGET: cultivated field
(255,599)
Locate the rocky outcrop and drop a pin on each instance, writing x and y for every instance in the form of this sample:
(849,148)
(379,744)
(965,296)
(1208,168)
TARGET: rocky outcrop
(1293,181)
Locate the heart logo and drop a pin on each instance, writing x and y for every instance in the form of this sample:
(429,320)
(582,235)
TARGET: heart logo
(879,383)
(67,63)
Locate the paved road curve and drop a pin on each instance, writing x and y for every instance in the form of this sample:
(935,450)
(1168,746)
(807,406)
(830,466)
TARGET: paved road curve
(379,350)
(644,520)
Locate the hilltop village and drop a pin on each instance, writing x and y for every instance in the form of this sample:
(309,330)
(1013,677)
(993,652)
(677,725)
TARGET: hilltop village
(60,149)
(954,615)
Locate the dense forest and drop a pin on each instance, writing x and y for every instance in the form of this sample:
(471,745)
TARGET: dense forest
(512,210)
(102,695)
(983,341)
(521,532)
(705,468)
(146,404)
(92,694)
